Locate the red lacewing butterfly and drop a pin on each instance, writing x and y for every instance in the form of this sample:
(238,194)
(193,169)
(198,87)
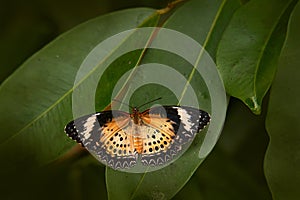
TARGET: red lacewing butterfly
(155,135)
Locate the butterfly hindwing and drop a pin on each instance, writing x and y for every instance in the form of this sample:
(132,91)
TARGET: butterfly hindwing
(103,134)
(170,127)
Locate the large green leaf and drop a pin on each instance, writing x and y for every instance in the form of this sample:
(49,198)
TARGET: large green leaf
(249,49)
(198,20)
(35,102)
(282,163)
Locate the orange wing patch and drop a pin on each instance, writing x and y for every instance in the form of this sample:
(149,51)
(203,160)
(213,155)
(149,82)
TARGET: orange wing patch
(119,144)
(155,121)
(158,134)
(111,128)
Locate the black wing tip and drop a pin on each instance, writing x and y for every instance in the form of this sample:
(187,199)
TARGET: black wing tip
(204,120)
(72,132)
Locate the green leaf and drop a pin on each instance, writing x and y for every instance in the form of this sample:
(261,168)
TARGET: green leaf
(166,182)
(282,161)
(248,52)
(234,169)
(35,102)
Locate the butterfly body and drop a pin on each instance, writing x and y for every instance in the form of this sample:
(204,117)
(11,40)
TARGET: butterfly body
(154,137)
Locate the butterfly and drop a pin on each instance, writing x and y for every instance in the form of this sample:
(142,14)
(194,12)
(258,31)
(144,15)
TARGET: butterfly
(154,136)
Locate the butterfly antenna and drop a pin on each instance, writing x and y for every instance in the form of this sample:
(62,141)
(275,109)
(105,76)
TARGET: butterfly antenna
(150,102)
(122,103)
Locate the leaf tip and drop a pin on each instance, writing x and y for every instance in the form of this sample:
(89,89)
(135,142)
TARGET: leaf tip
(254,105)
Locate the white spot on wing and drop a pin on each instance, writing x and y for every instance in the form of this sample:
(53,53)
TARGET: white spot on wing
(89,126)
(185,118)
